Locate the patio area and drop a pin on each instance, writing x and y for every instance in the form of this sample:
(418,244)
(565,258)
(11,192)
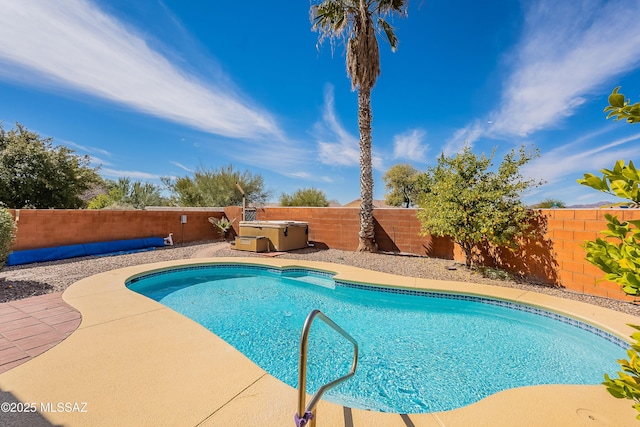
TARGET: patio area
(133,361)
(31,326)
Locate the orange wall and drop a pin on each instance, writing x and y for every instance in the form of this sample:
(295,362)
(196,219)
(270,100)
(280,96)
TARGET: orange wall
(42,228)
(558,259)
(396,230)
(568,230)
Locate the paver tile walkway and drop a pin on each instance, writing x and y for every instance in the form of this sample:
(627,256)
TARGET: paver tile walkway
(31,326)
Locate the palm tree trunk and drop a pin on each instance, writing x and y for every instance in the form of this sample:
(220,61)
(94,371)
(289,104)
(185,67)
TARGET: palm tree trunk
(367,241)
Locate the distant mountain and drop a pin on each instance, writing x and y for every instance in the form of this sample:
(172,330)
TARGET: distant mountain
(591,205)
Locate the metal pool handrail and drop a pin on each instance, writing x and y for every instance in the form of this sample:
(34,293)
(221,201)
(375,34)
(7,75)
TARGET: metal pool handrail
(304,415)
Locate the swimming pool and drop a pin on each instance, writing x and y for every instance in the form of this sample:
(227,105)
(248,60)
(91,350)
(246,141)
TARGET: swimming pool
(419,351)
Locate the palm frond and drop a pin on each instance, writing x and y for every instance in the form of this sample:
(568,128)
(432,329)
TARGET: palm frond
(388,31)
(330,15)
(386,6)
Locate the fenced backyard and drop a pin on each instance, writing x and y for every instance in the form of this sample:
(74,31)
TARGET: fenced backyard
(557,259)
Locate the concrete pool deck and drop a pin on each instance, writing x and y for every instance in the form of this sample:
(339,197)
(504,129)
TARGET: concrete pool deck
(135,362)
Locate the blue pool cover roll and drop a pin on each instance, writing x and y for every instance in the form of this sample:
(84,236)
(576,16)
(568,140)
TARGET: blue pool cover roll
(70,251)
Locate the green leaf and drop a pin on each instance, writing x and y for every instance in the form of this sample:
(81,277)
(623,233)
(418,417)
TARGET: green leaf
(631,173)
(594,182)
(612,219)
(616,100)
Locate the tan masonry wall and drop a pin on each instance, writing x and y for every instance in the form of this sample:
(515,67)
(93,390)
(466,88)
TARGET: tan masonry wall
(558,259)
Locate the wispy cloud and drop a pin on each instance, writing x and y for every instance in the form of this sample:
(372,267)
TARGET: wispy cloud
(73,45)
(467,135)
(308,176)
(303,175)
(571,160)
(129,174)
(95,160)
(181,166)
(86,149)
(336,146)
(98,161)
(410,146)
(568,51)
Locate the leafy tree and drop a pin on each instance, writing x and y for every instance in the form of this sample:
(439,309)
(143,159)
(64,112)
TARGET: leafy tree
(400,182)
(34,174)
(7,235)
(464,199)
(549,203)
(357,22)
(217,188)
(125,194)
(305,197)
(620,109)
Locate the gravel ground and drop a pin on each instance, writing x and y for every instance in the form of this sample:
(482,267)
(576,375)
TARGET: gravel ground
(19,282)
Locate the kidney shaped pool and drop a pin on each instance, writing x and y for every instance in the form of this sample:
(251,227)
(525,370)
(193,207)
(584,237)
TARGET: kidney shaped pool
(420,351)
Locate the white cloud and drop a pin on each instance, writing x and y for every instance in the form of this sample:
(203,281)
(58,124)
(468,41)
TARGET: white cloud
(99,161)
(83,150)
(309,176)
(465,136)
(73,45)
(409,146)
(303,175)
(568,51)
(571,160)
(129,174)
(181,166)
(86,149)
(336,146)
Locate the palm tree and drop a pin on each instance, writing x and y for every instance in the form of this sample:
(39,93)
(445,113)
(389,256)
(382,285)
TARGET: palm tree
(357,21)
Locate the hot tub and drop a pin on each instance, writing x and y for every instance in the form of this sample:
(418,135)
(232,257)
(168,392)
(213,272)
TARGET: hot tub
(282,235)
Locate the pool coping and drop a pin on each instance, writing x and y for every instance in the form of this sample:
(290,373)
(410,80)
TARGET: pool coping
(133,361)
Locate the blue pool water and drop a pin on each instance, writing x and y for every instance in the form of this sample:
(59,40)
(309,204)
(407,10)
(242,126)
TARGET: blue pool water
(418,353)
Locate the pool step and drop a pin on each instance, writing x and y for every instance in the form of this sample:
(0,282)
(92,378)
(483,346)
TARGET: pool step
(325,282)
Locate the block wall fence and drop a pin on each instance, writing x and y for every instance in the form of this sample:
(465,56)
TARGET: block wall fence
(558,259)
(42,228)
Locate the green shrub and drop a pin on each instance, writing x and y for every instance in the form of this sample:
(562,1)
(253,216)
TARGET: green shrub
(623,181)
(7,235)
(620,260)
(618,254)
(627,386)
(495,273)
(549,204)
(305,197)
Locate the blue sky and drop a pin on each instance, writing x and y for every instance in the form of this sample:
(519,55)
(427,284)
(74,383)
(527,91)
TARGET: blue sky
(161,88)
